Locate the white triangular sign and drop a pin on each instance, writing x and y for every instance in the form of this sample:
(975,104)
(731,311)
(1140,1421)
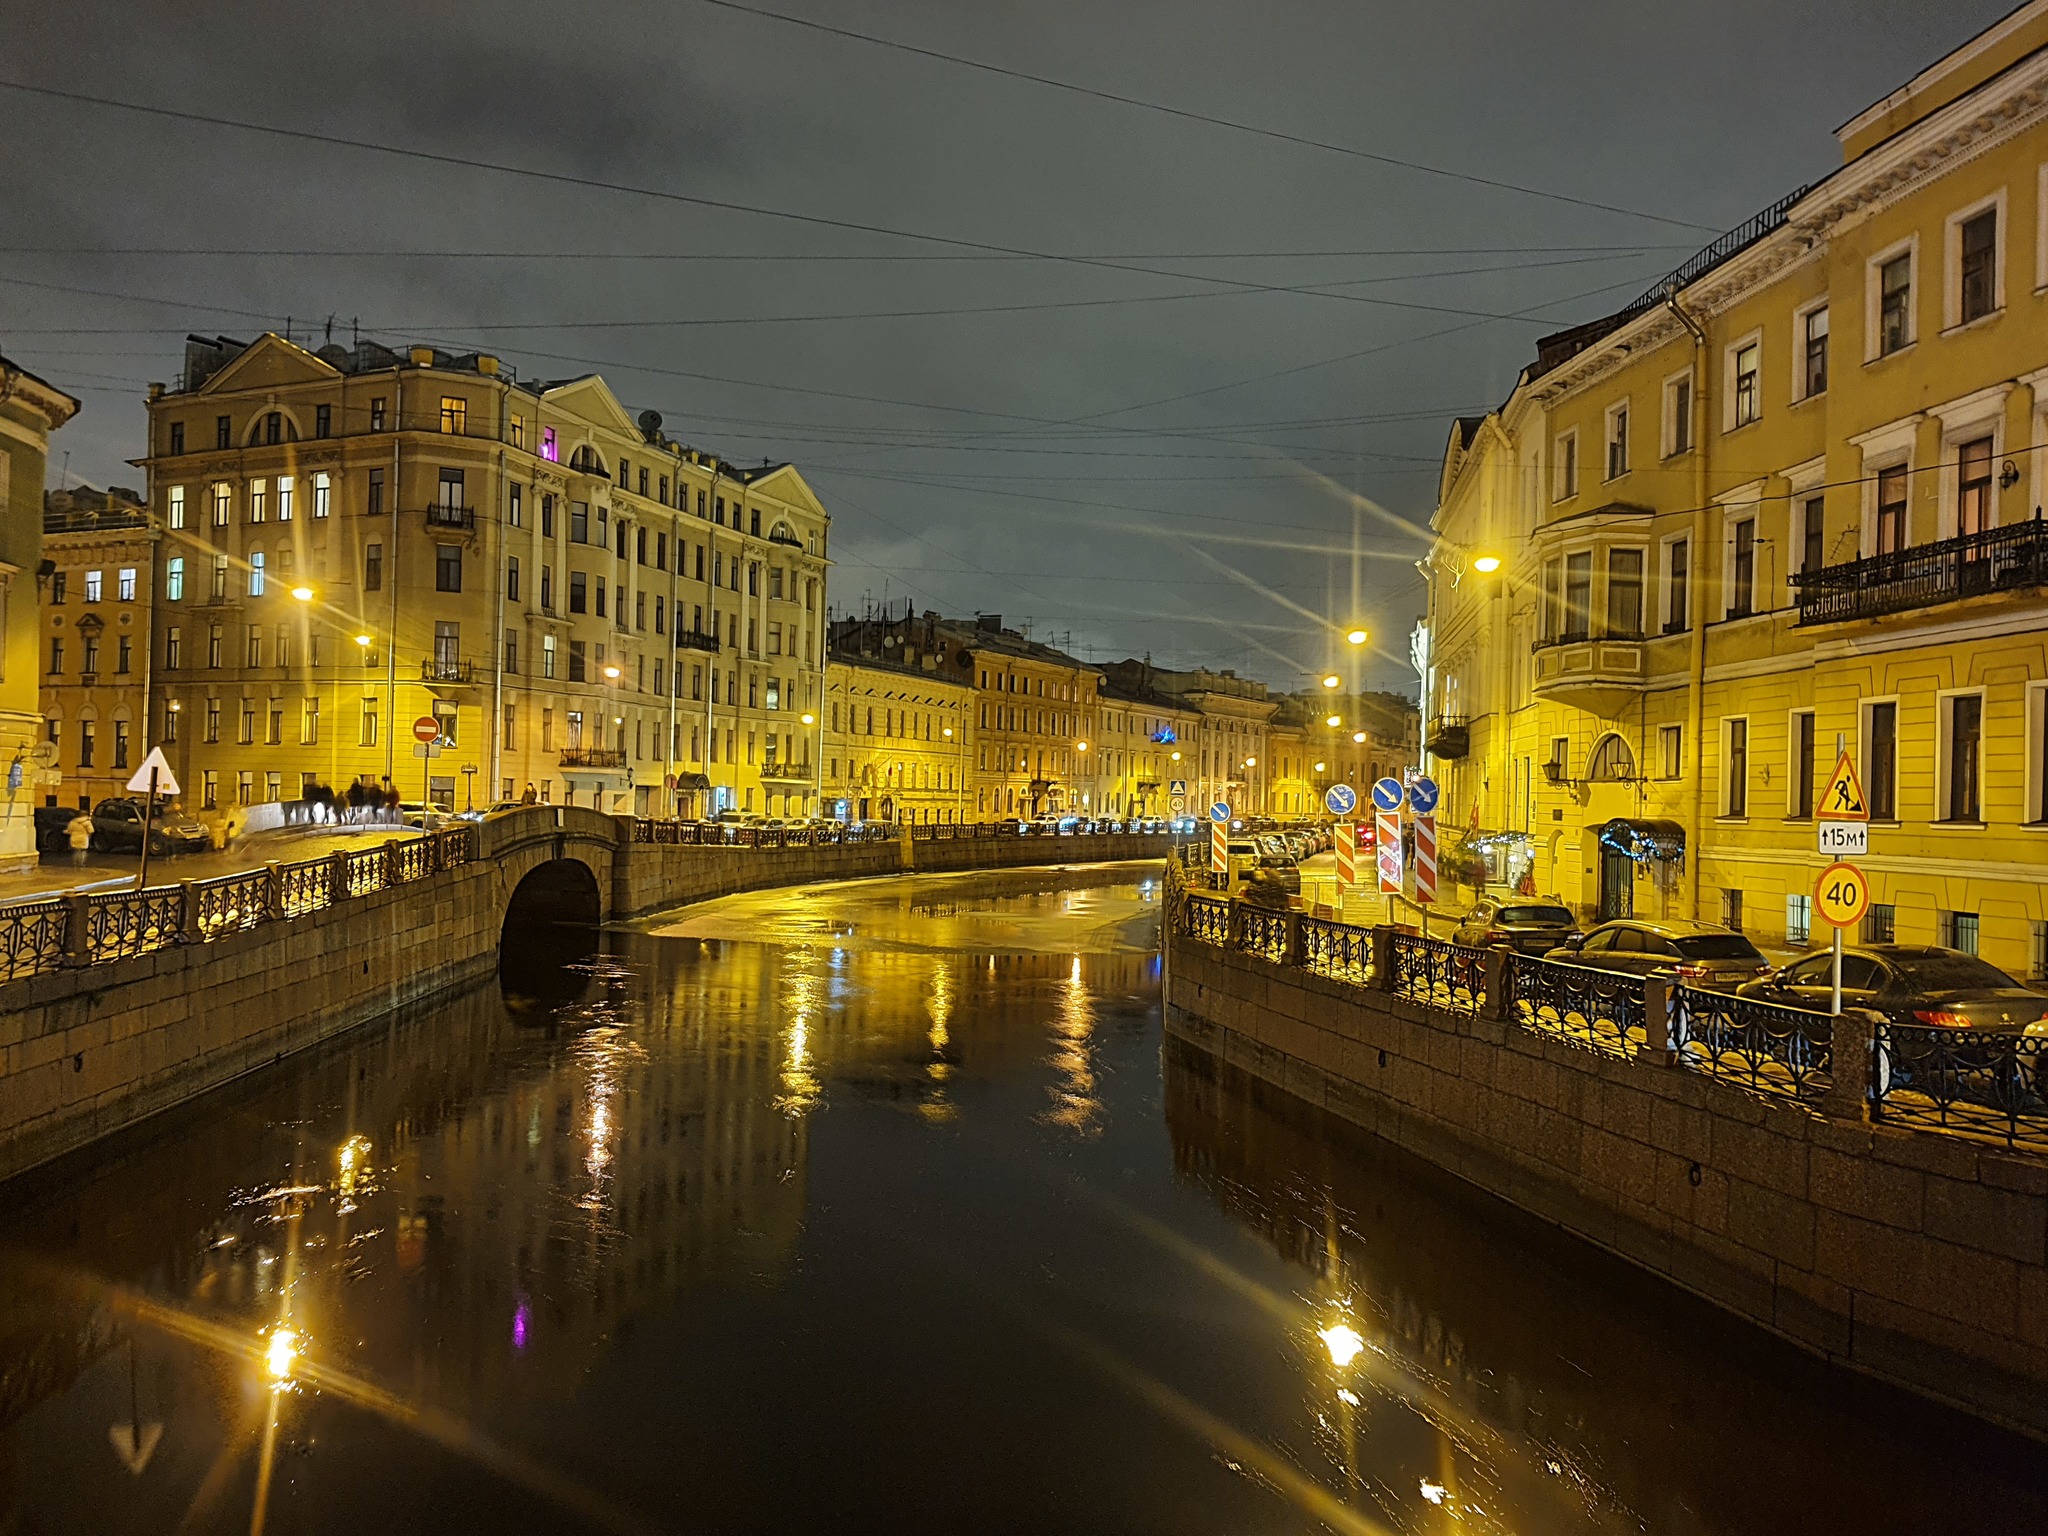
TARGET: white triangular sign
(166,781)
(134,1452)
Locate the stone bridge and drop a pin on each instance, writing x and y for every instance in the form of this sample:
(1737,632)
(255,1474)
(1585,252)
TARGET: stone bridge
(94,1045)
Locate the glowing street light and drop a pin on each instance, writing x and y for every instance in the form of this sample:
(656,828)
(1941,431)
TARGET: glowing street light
(1333,721)
(1319,767)
(280,1353)
(1332,680)
(1251,762)
(363,641)
(809,719)
(1343,1342)
(611,674)
(303,594)
(1486,565)
(1080,746)
(1358,736)
(1357,637)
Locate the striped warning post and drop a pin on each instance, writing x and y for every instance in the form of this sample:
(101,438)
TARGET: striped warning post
(1347,854)
(1219,848)
(1425,858)
(1387,849)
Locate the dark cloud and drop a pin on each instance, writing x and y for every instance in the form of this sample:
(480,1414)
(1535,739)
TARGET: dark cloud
(1011,461)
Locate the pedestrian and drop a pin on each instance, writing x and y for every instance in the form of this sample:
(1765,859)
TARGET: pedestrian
(531,797)
(355,800)
(79,831)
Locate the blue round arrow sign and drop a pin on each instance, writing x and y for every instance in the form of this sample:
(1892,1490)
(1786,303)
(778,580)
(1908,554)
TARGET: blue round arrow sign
(1341,799)
(1220,811)
(1386,794)
(1423,796)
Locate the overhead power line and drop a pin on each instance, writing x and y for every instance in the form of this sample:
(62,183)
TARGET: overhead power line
(1187,115)
(343,253)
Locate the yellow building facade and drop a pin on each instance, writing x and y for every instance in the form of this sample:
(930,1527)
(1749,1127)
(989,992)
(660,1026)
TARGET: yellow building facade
(356,539)
(896,741)
(1789,498)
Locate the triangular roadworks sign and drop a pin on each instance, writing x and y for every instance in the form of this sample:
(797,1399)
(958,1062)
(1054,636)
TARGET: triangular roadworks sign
(166,783)
(1843,799)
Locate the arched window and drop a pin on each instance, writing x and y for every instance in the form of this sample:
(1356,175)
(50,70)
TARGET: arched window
(1611,762)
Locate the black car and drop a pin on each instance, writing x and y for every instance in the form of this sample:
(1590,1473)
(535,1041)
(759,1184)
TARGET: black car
(1692,953)
(1528,927)
(1908,984)
(53,824)
(117,827)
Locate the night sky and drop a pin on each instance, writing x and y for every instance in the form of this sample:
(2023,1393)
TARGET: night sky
(1166,460)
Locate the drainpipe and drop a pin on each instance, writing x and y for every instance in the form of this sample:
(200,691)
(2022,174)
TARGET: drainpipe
(675,538)
(391,576)
(1699,591)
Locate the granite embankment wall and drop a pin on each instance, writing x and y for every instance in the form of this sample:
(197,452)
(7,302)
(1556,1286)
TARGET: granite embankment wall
(91,1049)
(1918,1257)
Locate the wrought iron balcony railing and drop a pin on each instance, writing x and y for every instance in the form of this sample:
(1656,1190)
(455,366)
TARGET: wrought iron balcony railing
(447,669)
(2009,559)
(442,516)
(696,640)
(593,757)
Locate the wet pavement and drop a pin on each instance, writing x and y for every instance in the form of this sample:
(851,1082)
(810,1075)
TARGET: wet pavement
(876,1207)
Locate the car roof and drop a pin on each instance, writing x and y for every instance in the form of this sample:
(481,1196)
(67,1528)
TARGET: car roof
(1666,927)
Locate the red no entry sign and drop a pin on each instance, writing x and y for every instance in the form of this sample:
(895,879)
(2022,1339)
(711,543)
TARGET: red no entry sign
(426,729)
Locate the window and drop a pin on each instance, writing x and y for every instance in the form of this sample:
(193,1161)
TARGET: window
(1672,740)
(85,743)
(549,448)
(177,437)
(174,580)
(449,490)
(1565,471)
(223,502)
(579,590)
(1617,442)
(1735,801)
(1746,406)
(309,723)
(1891,509)
(1973,486)
(1880,923)
(274,722)
(1677,569)
(1625,593)
(1742,569)
(56,653)
(447,567)
(512,579)
(1677,414)
(1962,746)
(373,567)
(287,485)
(366,724)
(454,415)
(515,506)
(512,653)
(223,432)
(547,655)
(1731,910)
(1813,359)
(547,589)
(1895,304)
(124,651)
(252,646)
(323,494)
(213,646)
(579,522)
(172,715)
(376,413)
(1812,533)
(174,647)
(1800,801)
(577,666)
(92,586)
(1979,267)
(1958,930)
(1578,595)
(175,507)
(375,505)
(256,573)
(1881,760)
(259,500)
(1798,920)
(323,421)
(90,663)
(273,427)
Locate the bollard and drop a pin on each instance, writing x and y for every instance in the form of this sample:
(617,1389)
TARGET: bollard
(77,929)
(1290,950)
(273,891)
(1500,1005)
(1382,978)
(1656,1047)
(1852,1061)
(337,878)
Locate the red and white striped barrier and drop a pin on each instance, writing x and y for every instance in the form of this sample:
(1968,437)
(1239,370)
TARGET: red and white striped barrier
(1347,854)
(1388,836)
(1425,858)
(1219,847)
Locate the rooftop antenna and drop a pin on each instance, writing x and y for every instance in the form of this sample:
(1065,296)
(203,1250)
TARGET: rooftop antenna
(329,336)
(355,331)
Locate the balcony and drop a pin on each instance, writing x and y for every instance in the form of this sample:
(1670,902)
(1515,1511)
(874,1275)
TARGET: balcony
(785,773)
(2009,559)
(593,757)
(447,669)
(440,515)
(1451,737)
(1597,673)
(695,640)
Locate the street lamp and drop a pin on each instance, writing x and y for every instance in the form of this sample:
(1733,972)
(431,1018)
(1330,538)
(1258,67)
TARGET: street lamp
(1332,680)
(1357,637)
(1333,721)
(1251,762)
(1358,736)
(1486,565)
(611,674)
(1319,767)
(303,594)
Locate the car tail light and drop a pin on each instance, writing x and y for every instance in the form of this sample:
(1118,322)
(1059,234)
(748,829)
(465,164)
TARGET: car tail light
(1693,972)
(1494,936)
(1941,1018)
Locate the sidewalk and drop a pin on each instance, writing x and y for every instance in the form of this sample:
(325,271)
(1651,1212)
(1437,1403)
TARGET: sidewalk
(57,875)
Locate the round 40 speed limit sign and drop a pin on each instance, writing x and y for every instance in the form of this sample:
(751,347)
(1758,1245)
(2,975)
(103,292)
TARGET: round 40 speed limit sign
(1841,895)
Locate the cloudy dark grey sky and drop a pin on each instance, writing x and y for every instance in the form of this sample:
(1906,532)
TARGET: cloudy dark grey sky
(1144,460)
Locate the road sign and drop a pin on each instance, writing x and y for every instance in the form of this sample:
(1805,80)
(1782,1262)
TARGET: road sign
(1389,850)
(1180,803)
(1843,799)
(1220,812)
(1841,895)
(1386,794)
(1341,799)
(1425,856)
(166,781)
(1347,854)
(1422,797)
(1219,847)
(426,728)
(1844,839)
(1177,786)
(426,749)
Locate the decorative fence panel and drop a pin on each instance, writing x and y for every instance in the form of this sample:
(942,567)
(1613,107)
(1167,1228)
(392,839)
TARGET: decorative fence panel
(1600,1009)
(1341,951)
(1972,1080)
(1767,1049)
(1435,971)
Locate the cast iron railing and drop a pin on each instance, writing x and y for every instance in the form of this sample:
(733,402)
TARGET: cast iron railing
(1341,951)
(2009,559)
(1207,920)
(1587,1006)
(1767,1049)
(31,937)
(1436,971)
(1262,932)
(1969,1080)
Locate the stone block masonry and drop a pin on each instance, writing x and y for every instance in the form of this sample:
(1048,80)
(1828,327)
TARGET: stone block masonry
(1919,1258)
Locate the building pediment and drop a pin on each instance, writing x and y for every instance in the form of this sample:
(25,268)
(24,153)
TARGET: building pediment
(269,362)
(592,399)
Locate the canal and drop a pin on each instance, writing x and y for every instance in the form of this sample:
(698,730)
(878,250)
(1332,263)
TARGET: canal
(876,1207)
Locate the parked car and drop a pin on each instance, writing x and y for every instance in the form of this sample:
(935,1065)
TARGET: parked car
(1697,954)
(1272,881)
(51,822)
(117,826)
(1528,927)
(1908,984)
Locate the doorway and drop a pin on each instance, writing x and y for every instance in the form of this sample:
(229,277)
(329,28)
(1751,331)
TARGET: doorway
(1617,884)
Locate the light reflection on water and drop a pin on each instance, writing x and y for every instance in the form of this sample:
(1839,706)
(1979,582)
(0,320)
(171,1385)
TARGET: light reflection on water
(833,1225)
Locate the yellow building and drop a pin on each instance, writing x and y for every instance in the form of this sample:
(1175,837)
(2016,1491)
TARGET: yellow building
(896,737)
(1143,739)
(357,538)
(30,410)
(1787,498)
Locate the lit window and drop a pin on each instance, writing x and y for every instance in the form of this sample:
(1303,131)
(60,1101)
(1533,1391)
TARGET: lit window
(454,415)
(256,573)
(175,508)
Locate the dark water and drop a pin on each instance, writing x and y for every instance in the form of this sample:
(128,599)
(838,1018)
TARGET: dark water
(878,1208)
